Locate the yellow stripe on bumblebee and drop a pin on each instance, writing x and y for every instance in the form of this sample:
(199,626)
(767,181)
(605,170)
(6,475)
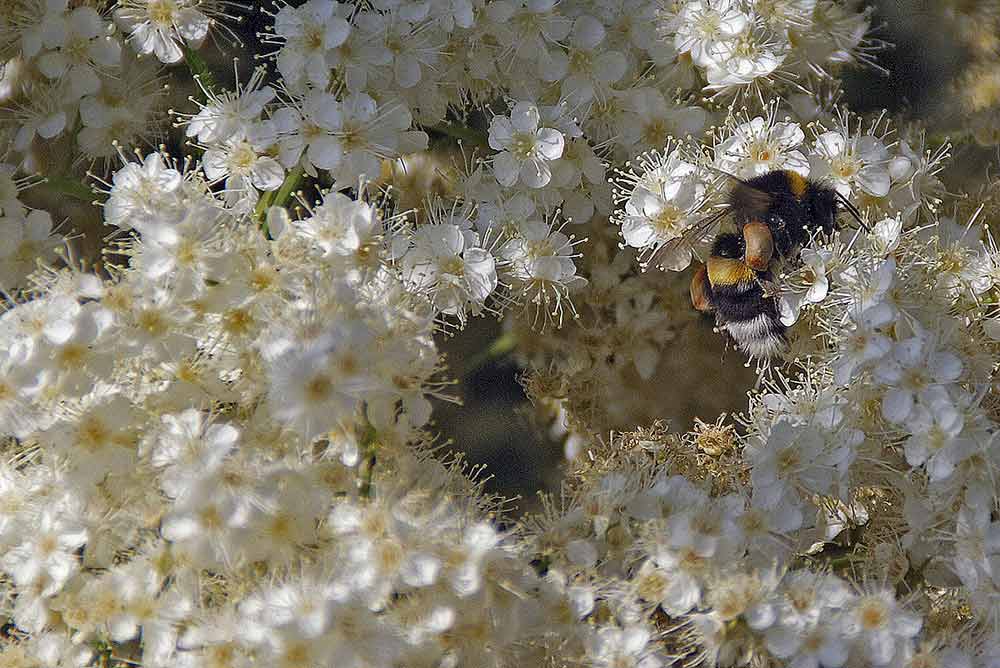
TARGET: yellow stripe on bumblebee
(796,183)
(726,271)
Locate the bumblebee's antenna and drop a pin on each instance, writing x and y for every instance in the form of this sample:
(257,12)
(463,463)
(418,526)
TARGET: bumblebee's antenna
(853,210)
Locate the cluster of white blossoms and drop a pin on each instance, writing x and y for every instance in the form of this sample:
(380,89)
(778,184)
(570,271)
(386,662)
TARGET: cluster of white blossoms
(217,444)
(738,44)
(70,76)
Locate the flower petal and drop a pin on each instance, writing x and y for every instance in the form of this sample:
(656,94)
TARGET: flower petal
(550,143)
(524,117)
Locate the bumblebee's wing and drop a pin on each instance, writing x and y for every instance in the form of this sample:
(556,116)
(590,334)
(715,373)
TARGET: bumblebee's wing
(746,200)
(675,254)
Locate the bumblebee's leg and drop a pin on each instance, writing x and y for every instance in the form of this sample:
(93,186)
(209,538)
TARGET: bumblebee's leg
(759,245)
(701,291)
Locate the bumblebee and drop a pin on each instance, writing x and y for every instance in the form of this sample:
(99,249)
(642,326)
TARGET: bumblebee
(774,214)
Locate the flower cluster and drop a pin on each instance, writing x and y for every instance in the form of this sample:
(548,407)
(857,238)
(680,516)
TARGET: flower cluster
(69,73)
(637,539)
(217,440)
(736,44)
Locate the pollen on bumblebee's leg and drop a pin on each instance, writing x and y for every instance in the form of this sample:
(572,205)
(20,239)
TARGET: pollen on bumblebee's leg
(700,290)
(759,244)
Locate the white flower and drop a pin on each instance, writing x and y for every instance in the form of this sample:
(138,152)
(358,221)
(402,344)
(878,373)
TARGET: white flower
(10,188)
(310,31)
(531,32)
(305,604)
(160,26)
(700,25)
(228,114)
(787,14)
(368,134)
(881,626)
(45,554)
(26,239)
(188,449)
(814,405)
(809,627)
(468,559)
(849,162)
(809,284)
(76,359)
(82,46)
(765,529)
(142,191)
(664,203)
(709,530)
(348,233)
(797,457)
(208,524)
(761,145)
(44,113)
(915,372)
(126,111)
(453,13)
(915,183)
(243,162)
(504,216)
(935,438)
(870,290)
(409,48)
(100,440)
(525,148)
(591,66)
(578,162)
(51,319)
(653,120)
(541,268)
(612,647)
(319,387)
(966,268)
(147,607)
(59,649)
(885,235)
(674,590)
(26,24)
(446,263)
(154,320)
(182,244)
(310,132)
(361,56)
(755,53)
(862,344)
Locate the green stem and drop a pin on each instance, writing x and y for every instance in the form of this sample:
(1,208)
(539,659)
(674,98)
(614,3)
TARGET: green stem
(199,68)
(277,197)
(291,182)
(369,447)
(263,204)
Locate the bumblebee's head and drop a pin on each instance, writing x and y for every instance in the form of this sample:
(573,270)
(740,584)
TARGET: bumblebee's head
(822,203)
